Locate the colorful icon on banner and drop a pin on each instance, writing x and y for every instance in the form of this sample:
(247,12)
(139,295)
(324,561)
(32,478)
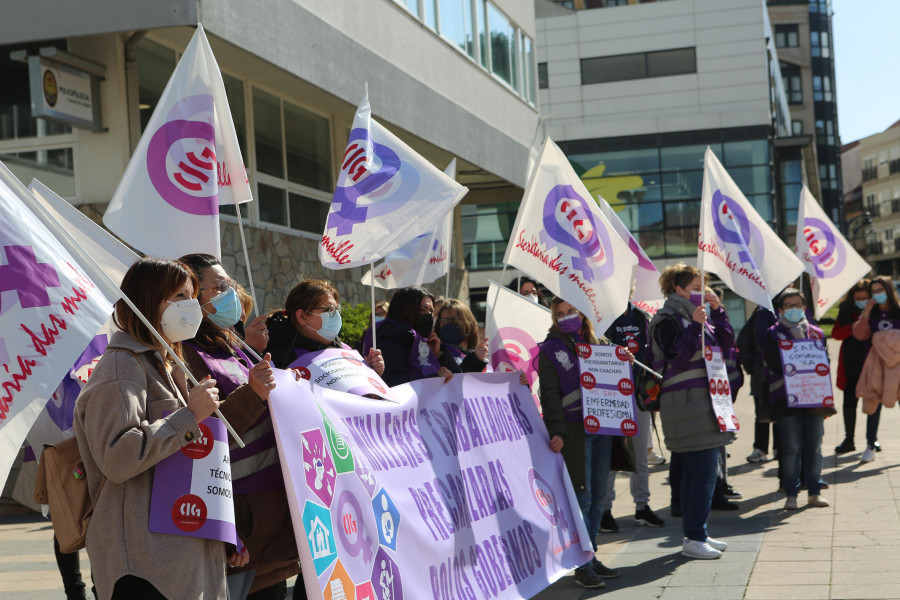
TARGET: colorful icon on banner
(366,475)
(318,466)
(365,591)
(386,577)
(387,519)
(319,536)
(352,532)
(340,451)
(544,496)
(339,585)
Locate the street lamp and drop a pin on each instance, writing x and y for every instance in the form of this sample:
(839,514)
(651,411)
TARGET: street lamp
(865,227)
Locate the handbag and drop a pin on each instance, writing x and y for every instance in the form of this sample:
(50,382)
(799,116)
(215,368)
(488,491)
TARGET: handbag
(61,483)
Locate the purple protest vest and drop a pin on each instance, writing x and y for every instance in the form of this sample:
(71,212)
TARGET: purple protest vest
(693,374)
(255,467)
(422,362)
(566,365)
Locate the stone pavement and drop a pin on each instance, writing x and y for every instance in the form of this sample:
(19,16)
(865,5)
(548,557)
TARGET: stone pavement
(848,550)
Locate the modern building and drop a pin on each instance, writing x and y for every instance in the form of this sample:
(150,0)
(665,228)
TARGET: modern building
(805,46)
(880,183)
(858,221)
(452,78)
(634,93)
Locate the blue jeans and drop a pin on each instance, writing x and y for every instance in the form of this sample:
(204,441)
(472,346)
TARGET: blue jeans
(801,435)
(597,456)
(872,426)
(698,482)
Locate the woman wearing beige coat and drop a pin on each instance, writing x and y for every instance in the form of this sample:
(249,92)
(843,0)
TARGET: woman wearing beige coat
(122,434)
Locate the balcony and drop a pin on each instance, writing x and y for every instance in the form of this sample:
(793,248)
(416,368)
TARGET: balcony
(869,173)
(894,166)
(895,206)
(874,248)
(874,210)
(897,244)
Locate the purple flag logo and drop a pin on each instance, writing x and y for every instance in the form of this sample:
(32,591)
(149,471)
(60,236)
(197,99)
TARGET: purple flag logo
(733,227)
(569,221)
(825,253)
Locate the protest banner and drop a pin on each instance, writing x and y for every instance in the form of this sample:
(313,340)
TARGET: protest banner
(50,311)
(453,492)
(828,258)
(192,493)
(807,374)
(386,196)
(720,389)
(187,163)
(514,326)
(341,369)
(607,390)
(562,239)
(736,243)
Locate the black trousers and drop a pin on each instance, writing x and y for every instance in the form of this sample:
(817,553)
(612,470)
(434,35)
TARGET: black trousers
(130,587)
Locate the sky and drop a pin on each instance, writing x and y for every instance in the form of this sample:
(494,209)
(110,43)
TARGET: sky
(867,65)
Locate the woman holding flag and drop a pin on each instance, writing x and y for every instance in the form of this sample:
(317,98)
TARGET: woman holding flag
(587,456)
(262,516)
(689,423)
(122,434)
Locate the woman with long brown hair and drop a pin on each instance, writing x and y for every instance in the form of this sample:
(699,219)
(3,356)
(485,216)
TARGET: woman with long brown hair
(851,358)
(122,434)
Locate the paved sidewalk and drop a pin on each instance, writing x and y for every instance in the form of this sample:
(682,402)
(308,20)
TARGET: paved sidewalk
(848,550)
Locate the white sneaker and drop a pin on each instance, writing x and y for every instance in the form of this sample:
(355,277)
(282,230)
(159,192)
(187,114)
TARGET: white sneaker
(757,456)
(655,458)
(868,455)
(790,503)
(695,549)
(717,544)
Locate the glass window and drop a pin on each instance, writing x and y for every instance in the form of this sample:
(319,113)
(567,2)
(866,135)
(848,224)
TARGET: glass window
(234,90)
(763,205)
(682,185)
(307,214)
(272,205)
(753,152)
(787,36)
(641,217)
(681,242)
(791,193)
(486,230)
(456,24)
(653,242)
(430,13)
(308,146)
(752,180)
(156,63)
(412,5)
(685,158)
(502,45)
(481,17)
(683,214)
(267,126)
(528,68)
(543,78)
(15,97)
(797,127)
(617,163)
(613,68)
(54,168)
(791,171)
(671,62)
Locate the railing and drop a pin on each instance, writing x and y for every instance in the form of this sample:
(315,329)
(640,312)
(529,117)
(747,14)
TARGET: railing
(873,248)
(870,173)
(894,166)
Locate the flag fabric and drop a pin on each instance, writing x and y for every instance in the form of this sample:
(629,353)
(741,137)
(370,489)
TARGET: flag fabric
(647,294)
(514,326)
(386,196)
(562,239)
(185,166)
(829,259)
(50,311)
(736,243)
(423,260)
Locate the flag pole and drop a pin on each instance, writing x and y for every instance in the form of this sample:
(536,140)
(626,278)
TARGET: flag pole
(372,298)
(98,273)
(237,209)
(447,286)
(609,342)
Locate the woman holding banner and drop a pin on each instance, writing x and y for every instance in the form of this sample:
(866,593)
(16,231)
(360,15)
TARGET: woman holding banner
(882,313)
(310,323)
(800,430)
(122,434)
(407,340)
(686,411)
(587,456)
(262,516)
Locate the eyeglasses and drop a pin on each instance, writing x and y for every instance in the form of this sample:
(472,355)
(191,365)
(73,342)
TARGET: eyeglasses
(328,309)
(220,286)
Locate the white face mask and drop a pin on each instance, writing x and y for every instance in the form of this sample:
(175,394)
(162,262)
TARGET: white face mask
(181,320)
(532,297)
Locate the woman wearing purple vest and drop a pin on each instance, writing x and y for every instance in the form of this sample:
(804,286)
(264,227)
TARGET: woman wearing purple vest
(407,340)
(260,505)
(689,423)
(880,314)
(587,456)
(310,322)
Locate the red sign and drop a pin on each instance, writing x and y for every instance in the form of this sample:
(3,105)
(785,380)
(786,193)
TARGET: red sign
(629,427)
(588,381)
(822,369)
(721,424)
(734,420)
(584,350)
(707,353)
(304,373)
(633,345)
(828,401)
(626,387)
(786,344)
(377,385)
(189,513)
(622,353)
(202,446)
(591,424)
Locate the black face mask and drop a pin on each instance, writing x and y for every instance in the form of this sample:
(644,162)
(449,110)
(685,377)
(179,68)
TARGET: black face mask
(424,325)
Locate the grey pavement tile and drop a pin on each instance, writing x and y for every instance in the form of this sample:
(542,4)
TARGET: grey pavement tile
(867,577)
(874,564)
(646,592)
(790,566)
(883,591)
(719,592)
(799,577)
(718,578)
(792,592)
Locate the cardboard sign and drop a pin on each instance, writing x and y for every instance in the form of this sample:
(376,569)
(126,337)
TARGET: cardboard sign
(720,389)
(607,390)
(807,374)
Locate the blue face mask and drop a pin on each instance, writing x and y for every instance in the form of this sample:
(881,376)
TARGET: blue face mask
(451,333)
(880,298)
(378,319)
(860,304)
(228,309)
(794,315)
(331,325)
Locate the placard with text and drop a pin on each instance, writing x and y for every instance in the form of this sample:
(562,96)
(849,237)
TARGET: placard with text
(807,374)
(720,389)
(607,390)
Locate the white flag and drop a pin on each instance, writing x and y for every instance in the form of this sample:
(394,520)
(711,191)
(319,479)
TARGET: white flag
(647,294)
(49,312)
(186,165)
(736,244)
(423,260)
(829,259)
(386,196)
(514,325)
(563,240)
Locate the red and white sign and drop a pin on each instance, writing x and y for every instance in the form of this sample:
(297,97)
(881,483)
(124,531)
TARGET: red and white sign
(807,375)
(607,390)
(720,389)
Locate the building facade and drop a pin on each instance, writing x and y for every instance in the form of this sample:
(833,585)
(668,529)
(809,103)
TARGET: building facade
(452,78)
(879,156)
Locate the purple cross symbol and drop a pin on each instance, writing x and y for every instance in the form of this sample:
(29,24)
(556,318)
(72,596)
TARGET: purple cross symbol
(29,278)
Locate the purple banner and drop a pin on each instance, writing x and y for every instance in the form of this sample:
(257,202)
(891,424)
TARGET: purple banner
(451,491)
